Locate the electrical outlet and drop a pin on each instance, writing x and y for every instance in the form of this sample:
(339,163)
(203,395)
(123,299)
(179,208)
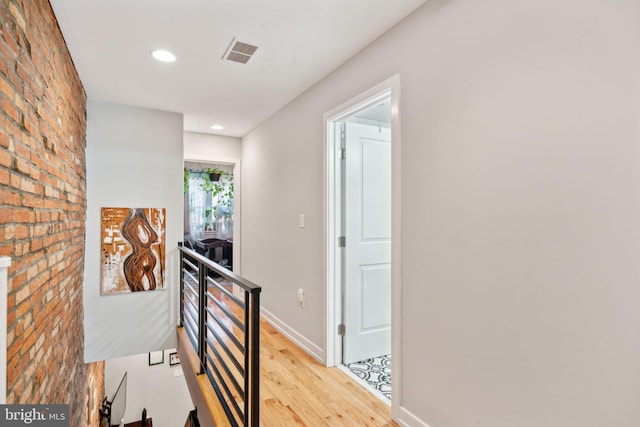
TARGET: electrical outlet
(301,224)
(301,298)
(177,372)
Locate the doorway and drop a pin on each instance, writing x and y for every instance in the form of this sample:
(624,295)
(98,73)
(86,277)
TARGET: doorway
(209,210)
(363,204)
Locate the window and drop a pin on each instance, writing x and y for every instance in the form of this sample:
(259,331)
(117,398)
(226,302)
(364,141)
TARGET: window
(209,203)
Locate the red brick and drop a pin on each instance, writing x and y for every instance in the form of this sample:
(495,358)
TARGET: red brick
(7,249)
(12,129)
(5,158)
(12,198)
(10,110)
(15,365)
(10,46)
(6,88)
(5,141)
(22,215)
(36,244)
(9,231)
(17,15)
(23,74)
(19,103)
(30,339)
(43,210)
(27,185)
(21,148)
(6,215)
(14,180)
(22,166)
(33,202)
(29,96)
(22,231)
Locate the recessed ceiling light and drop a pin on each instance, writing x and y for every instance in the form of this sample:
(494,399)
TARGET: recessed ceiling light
(217,127)
(163,55)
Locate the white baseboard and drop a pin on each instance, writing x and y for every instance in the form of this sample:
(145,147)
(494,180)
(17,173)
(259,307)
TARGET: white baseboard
(407,419)
(298,339)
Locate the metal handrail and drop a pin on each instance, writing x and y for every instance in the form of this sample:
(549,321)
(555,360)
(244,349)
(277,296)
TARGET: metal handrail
(245,284)
(208,334)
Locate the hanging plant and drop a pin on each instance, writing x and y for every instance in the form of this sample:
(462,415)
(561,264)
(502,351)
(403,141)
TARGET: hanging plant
(215,181)
(219,183)
(214,174)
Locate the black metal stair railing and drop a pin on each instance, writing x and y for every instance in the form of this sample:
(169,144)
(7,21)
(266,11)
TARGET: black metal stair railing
(225,331)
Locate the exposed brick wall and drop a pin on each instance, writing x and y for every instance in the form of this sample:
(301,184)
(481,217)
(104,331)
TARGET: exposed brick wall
(42,212)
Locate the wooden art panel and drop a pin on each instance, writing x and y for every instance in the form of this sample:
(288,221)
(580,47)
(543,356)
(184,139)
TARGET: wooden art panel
(132,250)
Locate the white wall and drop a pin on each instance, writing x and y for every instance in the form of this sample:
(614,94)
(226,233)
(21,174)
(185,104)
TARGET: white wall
(520,216)
(156,388)
(202,146)
(282,177)
(134,159)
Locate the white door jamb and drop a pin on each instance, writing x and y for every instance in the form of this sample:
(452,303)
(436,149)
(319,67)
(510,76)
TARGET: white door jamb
(333,226)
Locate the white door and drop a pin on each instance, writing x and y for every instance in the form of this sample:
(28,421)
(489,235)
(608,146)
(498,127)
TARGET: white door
(367,293)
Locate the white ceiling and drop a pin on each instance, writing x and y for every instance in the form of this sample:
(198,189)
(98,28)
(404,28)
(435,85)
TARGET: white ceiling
(299,42)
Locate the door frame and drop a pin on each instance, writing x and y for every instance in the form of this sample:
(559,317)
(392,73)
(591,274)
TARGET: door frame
(333,226)
(237,206)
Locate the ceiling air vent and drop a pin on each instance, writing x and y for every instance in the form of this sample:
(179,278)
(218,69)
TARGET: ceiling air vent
(239,51)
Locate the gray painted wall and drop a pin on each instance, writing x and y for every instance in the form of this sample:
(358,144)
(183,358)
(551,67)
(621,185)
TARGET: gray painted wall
(134,159)
(521,209)
(202,146)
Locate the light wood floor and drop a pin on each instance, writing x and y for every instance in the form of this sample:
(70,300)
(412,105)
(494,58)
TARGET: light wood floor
(296,390)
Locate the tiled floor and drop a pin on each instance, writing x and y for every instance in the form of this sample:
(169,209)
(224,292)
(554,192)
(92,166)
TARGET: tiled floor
(376,373)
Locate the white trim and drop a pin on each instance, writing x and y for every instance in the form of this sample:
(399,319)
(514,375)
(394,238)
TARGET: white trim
(5,263)
(407,419)
(297,338)
(396,248)
(207,159)
(332,300)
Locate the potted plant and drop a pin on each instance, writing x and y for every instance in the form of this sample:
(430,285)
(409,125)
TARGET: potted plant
(220,188)
(214,174)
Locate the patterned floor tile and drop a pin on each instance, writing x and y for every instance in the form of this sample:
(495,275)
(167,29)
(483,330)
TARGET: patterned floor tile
(375,372)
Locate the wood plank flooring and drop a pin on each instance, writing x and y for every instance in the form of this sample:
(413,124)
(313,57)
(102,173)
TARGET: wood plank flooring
(297,390)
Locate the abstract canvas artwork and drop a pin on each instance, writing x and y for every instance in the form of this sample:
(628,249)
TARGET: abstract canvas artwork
(132,250)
